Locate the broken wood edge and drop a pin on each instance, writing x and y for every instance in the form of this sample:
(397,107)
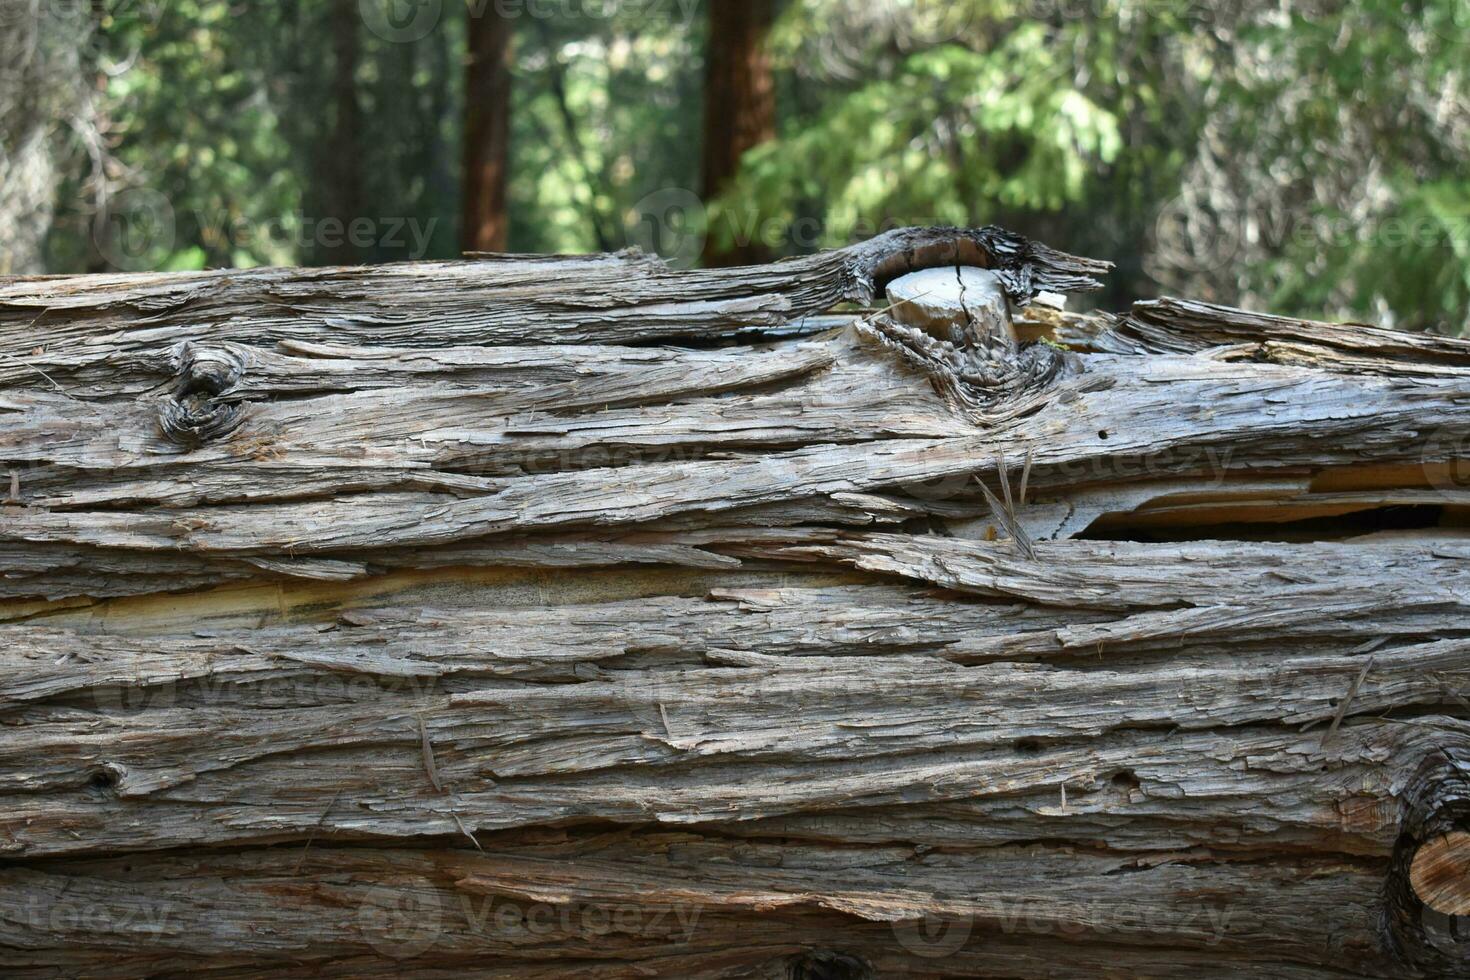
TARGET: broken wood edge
(1176,325)
(602,299)
(1025,267)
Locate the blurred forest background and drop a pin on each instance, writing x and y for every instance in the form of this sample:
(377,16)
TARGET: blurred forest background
(1306,156)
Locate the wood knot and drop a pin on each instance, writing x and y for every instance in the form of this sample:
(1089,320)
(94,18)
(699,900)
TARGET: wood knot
(203,405)
(1427,895)
(956,325)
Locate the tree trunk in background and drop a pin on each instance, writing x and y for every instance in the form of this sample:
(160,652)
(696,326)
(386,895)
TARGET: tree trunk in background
(437,165)
(341,160)
(486,223)
(28,174)
(41,81)
(739,111)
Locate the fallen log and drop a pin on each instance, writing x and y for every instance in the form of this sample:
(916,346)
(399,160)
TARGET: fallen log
(851,616)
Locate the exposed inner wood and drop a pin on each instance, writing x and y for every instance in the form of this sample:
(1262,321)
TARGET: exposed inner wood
(1441,874)
(843,617)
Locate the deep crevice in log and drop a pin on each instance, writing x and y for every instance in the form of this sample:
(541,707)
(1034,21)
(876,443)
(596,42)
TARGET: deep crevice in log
(1337,528)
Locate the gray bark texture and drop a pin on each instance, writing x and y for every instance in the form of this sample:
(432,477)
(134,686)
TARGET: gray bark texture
(572,616)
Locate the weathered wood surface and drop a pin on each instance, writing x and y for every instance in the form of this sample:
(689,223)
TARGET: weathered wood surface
(552,617)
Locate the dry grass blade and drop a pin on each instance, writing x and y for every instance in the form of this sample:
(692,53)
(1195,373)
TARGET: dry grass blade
(1342,708)
(1007,519)
(428,749)
(312,836)
(1005,483)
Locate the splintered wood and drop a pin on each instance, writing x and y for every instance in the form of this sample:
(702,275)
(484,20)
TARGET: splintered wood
(846,617)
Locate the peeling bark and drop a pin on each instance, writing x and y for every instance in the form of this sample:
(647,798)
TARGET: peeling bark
(530,617)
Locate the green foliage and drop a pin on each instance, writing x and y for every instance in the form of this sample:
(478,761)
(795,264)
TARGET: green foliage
(194,122)
(1357,130)
(606,112)
(1305,156)
(953,136)
(216,149)
(1313,151)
